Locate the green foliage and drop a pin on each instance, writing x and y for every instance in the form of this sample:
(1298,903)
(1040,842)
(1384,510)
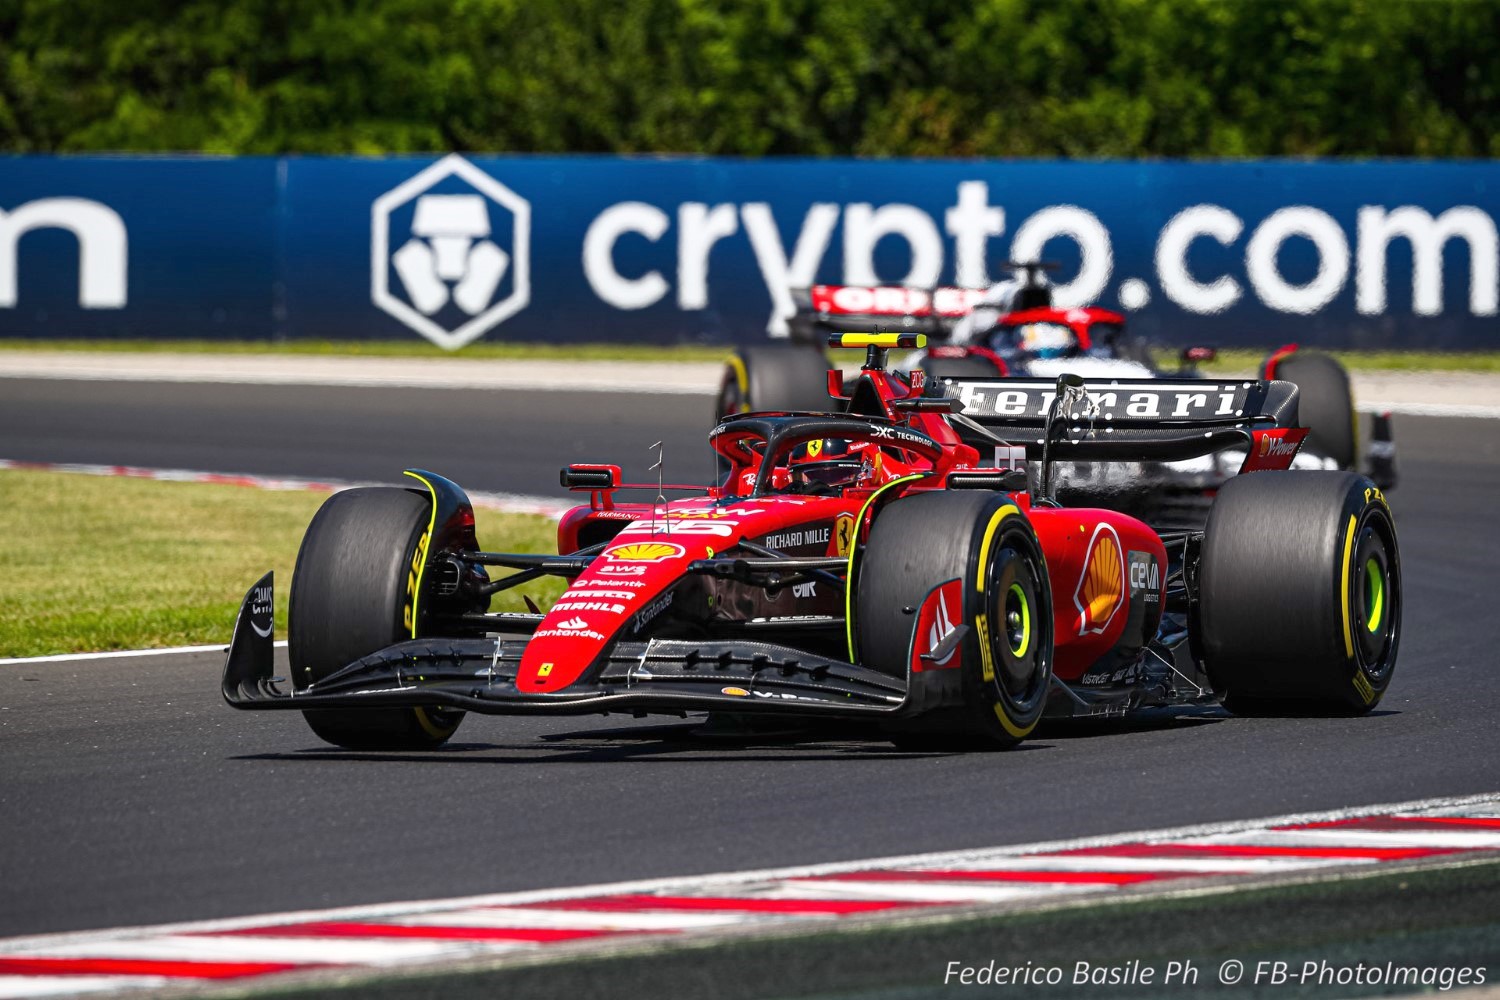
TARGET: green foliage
(135,563)
(791,77)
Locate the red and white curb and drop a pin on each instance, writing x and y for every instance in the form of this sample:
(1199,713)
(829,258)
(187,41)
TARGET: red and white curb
(505,503)
(566,922)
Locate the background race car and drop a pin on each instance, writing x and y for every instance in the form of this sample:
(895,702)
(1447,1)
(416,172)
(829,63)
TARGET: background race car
(1014,329)
(886,563)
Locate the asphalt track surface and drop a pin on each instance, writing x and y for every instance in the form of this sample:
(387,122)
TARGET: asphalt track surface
(130,794)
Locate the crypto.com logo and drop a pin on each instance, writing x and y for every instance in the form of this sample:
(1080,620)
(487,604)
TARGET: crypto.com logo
(451,223)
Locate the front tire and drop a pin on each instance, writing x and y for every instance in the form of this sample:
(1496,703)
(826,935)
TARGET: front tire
(352,595)
(983,544)
(1299,594)
(966,367)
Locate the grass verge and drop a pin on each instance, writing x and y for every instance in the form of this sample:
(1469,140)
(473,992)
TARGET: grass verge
(1229,360)
(385,349)
(95,564)
(1238,360)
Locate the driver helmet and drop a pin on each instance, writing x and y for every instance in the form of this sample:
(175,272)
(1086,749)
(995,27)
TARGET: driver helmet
(824,462)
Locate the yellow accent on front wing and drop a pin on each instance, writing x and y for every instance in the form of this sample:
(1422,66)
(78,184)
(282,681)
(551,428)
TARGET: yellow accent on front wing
(1344,588)
(853,549)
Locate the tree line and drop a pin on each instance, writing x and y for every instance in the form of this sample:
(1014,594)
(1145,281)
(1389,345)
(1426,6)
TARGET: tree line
(945,78)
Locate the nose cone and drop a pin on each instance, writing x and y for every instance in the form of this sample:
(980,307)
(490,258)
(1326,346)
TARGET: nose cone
(598,608)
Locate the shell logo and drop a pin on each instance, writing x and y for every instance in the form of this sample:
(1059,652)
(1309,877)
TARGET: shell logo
(1101,586)
(645,551)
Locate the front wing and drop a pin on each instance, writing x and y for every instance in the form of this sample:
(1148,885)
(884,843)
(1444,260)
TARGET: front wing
(478,675)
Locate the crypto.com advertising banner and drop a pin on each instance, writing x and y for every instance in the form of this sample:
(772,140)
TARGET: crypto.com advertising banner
(578,249)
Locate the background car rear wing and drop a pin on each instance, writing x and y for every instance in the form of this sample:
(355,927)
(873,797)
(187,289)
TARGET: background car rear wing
(824,309)
(1121,419)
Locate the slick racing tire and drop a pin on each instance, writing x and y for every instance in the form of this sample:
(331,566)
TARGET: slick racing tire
(772,378)
(349,599)
(1325,404)
(958,368)
(1299,601)
(981,544)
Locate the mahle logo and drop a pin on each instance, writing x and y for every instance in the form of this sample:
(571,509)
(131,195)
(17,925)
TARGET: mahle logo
(450,252)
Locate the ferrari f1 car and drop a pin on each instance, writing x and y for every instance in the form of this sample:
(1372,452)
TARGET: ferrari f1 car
(886,563)
(1022,333)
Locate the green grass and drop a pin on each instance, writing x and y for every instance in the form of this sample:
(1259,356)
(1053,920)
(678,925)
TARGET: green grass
(93,563)
(1230,360)
(1464,361)
(412,348)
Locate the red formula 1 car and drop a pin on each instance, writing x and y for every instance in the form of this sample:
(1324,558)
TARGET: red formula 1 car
(884,563)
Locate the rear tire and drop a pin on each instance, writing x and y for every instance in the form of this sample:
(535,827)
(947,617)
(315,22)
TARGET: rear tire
(984,541)
(959,368)
(349,599)
(1299,604)
(774,377)
(1325,404)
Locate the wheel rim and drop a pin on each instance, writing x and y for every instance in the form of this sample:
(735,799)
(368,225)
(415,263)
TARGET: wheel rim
(1374,595)
(1376,599)
(1022,662)
(1017,620)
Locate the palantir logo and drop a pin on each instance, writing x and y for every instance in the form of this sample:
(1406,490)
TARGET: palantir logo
(438,259)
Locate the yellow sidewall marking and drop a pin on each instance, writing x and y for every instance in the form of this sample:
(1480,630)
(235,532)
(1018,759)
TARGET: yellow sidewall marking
(853,549)
(742,378)
(1019,732)
(1344,587)
(989,536)
(431,728)
(422,545)
(986,661)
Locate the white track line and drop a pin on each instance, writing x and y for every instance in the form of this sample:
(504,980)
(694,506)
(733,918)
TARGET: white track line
(1460,410)
(117,654)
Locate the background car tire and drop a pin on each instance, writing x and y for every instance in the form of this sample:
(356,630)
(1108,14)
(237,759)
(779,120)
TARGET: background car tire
(959,368)
(774,377)
(349,593)
(982,539)
(1299,594)
(1325,404)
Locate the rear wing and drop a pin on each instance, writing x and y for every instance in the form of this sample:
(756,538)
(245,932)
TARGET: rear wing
(824,309)
(1122,419)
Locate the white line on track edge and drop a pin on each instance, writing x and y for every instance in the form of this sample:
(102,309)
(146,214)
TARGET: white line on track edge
(114,654)
(408,908)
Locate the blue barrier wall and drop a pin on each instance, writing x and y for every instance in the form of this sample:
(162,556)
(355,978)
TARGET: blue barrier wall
(1377,254)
